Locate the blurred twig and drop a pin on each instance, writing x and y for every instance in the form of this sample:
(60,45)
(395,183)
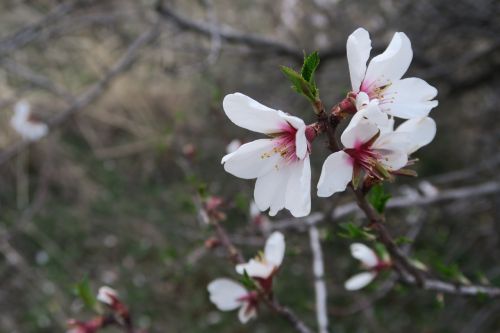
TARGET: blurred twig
(403,201)
(319,281)
(94,92)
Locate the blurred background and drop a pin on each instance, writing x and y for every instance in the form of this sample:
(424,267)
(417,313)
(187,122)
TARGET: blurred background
(134,97)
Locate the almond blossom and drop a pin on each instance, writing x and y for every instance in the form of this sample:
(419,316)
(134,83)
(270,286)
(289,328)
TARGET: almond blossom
(107,295)
(280,163)
(265,265)
(381,79)
(370,261)
(366,150)
(378,151)
(230,295)
(25,125)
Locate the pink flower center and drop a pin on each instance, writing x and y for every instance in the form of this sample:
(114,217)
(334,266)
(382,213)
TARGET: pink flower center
(284,144)
(378,90)
(363,156)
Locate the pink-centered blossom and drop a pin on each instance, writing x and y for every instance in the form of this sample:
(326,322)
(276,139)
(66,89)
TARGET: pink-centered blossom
(382,78)
(280,163)
(370,261)
(228,295)
(24,124)
(373,147)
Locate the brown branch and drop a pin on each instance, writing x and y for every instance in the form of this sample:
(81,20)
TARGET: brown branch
(94,92)
(237,258)
(459,193)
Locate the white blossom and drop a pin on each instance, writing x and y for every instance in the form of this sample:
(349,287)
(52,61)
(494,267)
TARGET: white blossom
(106,295)
(266,264)
(382,78)
(370,261)
(280,163)
(229,295)
(23,123)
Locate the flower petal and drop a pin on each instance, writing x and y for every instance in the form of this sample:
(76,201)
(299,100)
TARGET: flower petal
(335,174)
(372,114)
(301,142)
(270,189)
(255,268)
(358,134)
(298,190)
(275,248)
(359,281)
(358,51)
(247,312)
(421,132)
(364,254)
(224,293)
(252,159)
(409,98)
(250,114)
(391,64)
(393,147)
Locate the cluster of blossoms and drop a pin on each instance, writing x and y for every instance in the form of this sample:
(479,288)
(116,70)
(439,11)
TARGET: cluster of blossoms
(229,295)
(373,149)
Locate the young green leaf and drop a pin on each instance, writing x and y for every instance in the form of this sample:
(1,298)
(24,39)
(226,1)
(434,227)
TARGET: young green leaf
(378,198)
(300,85)
(310,65)
(84,292)
(352,231)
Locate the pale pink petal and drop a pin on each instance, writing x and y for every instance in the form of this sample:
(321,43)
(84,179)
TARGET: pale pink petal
(391,64)
(247,312)
(250,114)
(298,189)
(252,159)
(275,248)
(409,98)
(362,100)
(370,113)
(358,51)
(393,147)
(359,134)
(364,254)
(255,268)
(270,189)
(233,146)
(359,281)
(335,174)
(421,132)
(301,142)
(224,293)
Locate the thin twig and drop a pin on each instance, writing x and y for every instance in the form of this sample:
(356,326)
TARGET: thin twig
(319,281)
(92,93)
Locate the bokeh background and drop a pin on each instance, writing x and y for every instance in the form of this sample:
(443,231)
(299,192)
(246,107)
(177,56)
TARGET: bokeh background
(135,99)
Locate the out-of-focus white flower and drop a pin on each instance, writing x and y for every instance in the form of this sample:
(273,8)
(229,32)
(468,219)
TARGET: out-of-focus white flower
(369,261)
(229,295)
(280,163)
(107,295)
(23,123)
(266,264)
(381,79)
(233,146)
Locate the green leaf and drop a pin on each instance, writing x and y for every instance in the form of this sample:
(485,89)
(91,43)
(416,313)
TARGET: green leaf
(300,85)
(84,292)
(311,63)
(402,240)
(352,231)
(378,198)
(452,272)
(247,281)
